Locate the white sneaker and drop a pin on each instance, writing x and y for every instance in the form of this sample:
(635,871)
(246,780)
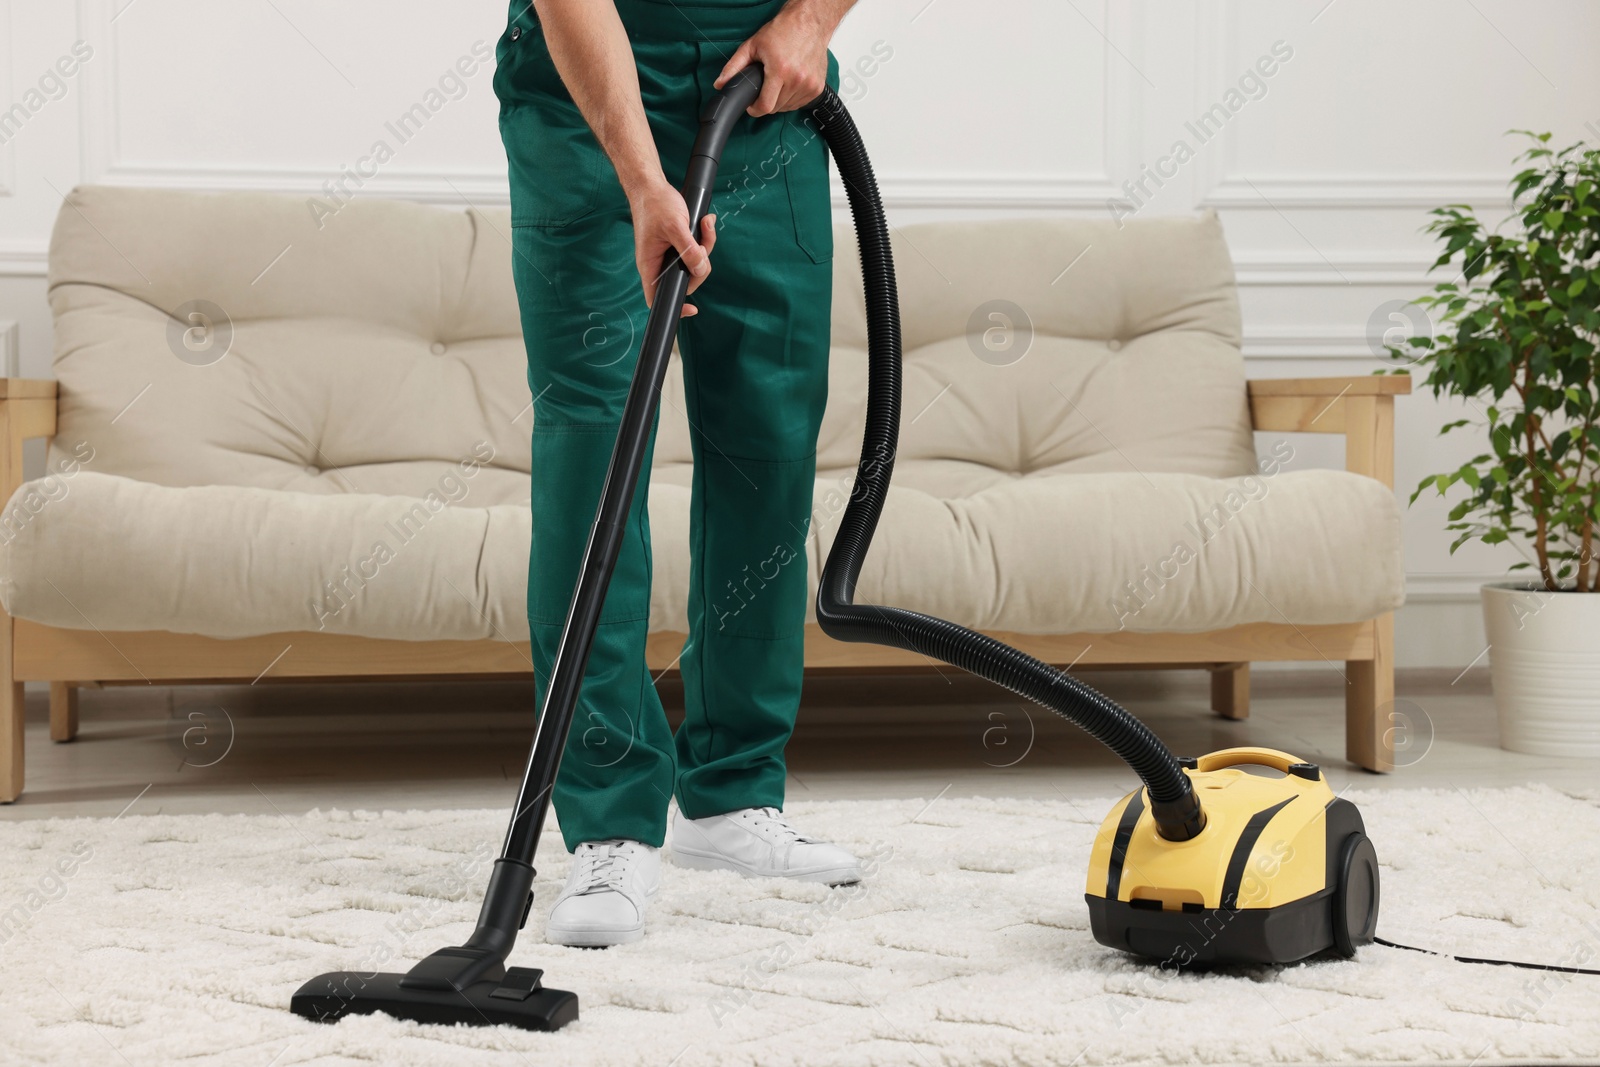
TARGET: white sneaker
(759,843)
(606,893)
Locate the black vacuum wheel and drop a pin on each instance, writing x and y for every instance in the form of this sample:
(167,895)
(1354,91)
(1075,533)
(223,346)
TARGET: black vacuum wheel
(1355,904)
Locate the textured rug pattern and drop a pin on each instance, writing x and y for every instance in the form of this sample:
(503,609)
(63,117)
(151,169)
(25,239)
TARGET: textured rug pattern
(178,939)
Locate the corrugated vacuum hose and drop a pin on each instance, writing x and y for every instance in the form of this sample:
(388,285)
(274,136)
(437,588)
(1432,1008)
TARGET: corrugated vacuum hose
(1172,800)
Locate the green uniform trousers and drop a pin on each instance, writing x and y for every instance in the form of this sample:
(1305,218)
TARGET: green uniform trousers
(755,366)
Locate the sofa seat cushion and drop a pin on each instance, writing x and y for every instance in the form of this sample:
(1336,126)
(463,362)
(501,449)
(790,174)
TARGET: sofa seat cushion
(1041,554)
(1155,553)
(113,553)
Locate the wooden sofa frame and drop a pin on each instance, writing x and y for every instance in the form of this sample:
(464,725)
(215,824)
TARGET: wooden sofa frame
(1360,408)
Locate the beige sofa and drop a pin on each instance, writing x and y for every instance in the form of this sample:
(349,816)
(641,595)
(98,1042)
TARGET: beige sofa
(327,478)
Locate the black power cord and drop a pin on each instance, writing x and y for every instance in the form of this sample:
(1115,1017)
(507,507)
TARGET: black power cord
(1493,963)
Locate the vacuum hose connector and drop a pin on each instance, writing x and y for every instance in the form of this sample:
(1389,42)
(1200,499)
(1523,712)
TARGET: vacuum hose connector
(1173,803)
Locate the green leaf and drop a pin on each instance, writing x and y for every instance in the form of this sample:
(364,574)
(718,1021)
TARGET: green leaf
(1517,334)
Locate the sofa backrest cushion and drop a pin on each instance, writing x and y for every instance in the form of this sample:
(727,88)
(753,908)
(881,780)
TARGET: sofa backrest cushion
(374,352)
(1133,362)
(378,349)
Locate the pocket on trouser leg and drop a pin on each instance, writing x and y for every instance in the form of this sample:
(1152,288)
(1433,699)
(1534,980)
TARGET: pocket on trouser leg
(581,312)
(557,170)
(556,167)
(805,176)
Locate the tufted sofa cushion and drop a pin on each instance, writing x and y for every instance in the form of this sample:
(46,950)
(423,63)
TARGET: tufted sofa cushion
(358,461)
(366,356)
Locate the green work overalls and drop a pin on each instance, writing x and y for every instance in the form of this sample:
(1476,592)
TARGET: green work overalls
(755,365)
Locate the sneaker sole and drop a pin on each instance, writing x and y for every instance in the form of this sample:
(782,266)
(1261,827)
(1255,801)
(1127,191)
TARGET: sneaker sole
(591,938)
(706,861)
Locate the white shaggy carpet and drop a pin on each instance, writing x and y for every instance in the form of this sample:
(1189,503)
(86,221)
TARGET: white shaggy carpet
(178,939)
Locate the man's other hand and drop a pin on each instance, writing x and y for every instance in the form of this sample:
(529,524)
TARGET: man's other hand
(661,228)
(793,49)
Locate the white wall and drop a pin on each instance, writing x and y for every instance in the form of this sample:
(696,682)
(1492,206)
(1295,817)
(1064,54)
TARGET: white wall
(983,108)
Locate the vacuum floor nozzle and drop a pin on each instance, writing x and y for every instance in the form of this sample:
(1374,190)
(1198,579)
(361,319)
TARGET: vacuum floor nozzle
(517,999)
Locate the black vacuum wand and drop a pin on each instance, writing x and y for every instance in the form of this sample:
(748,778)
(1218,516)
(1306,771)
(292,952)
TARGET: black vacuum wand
(469,983)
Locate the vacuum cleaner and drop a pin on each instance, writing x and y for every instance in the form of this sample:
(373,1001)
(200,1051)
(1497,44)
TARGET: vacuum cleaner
(1207,863)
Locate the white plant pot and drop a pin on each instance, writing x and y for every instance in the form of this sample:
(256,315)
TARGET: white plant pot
(1544,659)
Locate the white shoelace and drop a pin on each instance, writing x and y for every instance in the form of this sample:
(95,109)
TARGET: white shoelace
(770,823)
(602,867)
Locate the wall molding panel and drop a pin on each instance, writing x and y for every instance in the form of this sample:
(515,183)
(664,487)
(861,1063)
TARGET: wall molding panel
(1357,192)
(97,90)
(1431,587)
(8,80)
(1220,183)
(23,259)
(1293,343)
(1121,103)
(1304,266)
(103,151)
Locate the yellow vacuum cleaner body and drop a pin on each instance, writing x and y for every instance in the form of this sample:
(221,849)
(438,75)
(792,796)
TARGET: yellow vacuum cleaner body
(1281,871)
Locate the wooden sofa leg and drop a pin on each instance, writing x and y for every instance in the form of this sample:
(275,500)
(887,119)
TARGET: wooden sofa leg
(1230,690)
(11,717)
(63,711)
(1369,702)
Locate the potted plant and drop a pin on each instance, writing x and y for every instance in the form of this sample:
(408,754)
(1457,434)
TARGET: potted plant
(1516,341)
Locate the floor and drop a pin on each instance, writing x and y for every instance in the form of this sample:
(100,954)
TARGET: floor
(292,748)
(179,940)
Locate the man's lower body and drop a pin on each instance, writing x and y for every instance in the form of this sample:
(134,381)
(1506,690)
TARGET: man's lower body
(755,364)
